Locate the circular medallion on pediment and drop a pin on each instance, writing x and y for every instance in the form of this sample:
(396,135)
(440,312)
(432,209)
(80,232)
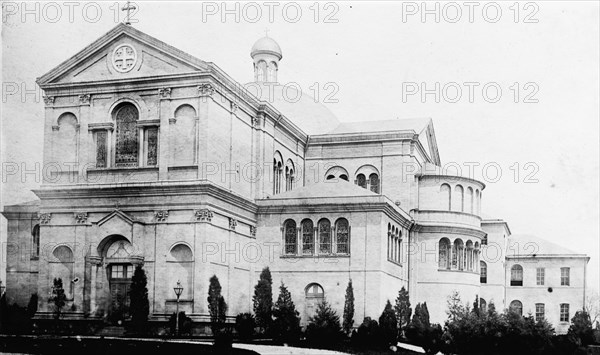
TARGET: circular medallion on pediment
(124,58)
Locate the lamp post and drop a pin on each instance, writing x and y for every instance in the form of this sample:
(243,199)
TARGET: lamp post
(178,291)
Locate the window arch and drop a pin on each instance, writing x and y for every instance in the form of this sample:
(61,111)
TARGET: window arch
(308,237)
(482,272)
(336,172)
(470,199)
(469,256)
(261,68)
(183,137)
(314,294)
(516,275)
(272,72)
(459,204)
(342,236)
(476,205)
(290,175)
(324,236)
(458,254)
(181,267)
(35,241)
(290,237)
(277,172)
(126,142)
(444,254)
(446,196)
(374,182)
(65,144)
(517,307)
(361,181)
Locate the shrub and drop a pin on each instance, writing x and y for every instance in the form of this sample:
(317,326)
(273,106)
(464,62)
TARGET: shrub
(185,323)
(368,334)
(388,324)
(287,320)
(349,308)
(58,299)
(421,332)
(216,305)
(263,300)
(581,328)
(244,325)
(140,306)
(324,327)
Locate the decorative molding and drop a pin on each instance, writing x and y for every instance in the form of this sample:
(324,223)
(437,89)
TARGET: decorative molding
(234,107)
(44,218)
(161,216)
(232,223)
(146,123)
(48,100)
(256,120)
(85,99)
(101,126)
(80,217)
(206,89)
(253,231)
(164,93)
(55,127)
(203,215)
(172,120)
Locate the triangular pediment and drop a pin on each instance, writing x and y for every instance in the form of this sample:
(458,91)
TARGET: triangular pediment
(123,53)
(116,216)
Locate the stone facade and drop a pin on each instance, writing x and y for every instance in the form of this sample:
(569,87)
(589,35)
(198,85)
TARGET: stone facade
(162,160)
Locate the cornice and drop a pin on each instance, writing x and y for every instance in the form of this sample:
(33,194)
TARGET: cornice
(440,229)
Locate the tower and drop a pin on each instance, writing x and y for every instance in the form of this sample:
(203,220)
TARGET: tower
(266,55)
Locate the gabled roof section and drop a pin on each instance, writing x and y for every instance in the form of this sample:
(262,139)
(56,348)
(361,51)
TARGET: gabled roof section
(116,214)
(525,245)
(91,53)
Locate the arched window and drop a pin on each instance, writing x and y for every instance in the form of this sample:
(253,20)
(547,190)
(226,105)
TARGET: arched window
(374,182)
(65,144)
(361,181)
(336,172)
(314,295)
(126,146)
(470,199)
(289,175)
(277,172)
(444,254)
(181,268)
(516,275)
(62,267)
(458,255)
(183,137)
(308,237)
(272,72)
(459,204)
(35,241)
(469,255)
(342,236)
(446,196)
(324,236)
(482,272)
(290,237)
(482,305)
(476,205)
(517,307)
(261,68)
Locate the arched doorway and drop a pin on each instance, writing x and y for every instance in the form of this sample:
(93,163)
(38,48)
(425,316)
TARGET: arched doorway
(314,295)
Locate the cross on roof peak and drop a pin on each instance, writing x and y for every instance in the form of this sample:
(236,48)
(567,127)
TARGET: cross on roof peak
(128,7)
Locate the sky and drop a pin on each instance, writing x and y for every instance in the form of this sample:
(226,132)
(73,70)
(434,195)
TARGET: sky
(517,86)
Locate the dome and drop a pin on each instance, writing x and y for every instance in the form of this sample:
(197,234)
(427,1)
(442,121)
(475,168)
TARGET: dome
(266,45)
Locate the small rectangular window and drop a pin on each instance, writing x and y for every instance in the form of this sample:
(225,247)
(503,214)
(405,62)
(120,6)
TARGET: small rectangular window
(564,312)
(565,276)
(540,311)
(101,149)
(540,276)
(152,146)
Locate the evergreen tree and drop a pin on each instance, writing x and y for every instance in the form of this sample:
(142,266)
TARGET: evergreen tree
(263,300)
(140,306)
(216,305)
(3,313)
(581,328)
(388,323)
(324,327)
(58,299)
(403,311)
(475,309)
(287,319)
(32,306)
(349,309)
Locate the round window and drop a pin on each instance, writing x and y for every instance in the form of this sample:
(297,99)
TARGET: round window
(124,58)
